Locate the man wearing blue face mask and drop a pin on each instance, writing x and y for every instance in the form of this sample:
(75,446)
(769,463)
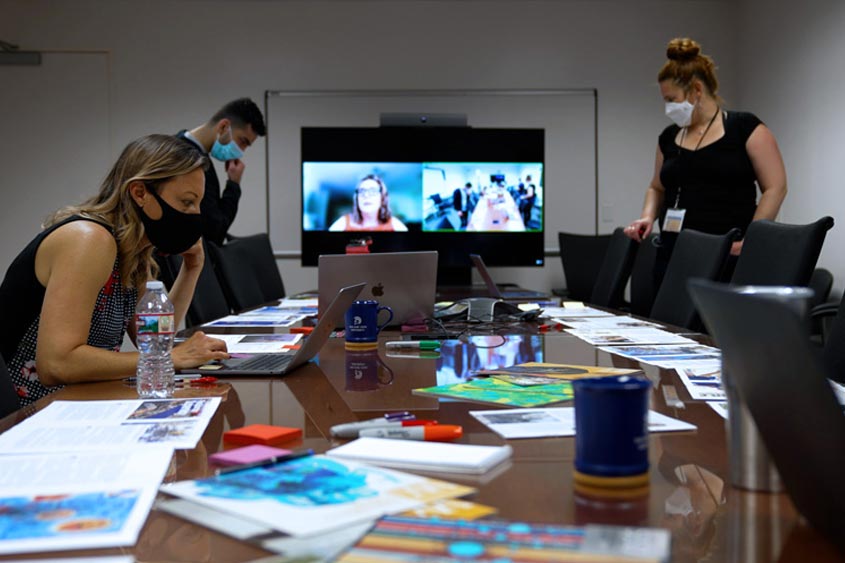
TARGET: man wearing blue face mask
(225,137)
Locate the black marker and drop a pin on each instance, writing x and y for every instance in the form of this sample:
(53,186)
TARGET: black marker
(265,463)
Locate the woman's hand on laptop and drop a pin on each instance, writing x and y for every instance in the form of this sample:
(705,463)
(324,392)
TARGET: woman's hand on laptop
(199,349)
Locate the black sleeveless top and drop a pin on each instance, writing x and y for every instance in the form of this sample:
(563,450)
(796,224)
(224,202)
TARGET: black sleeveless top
(717,182)
(21,297)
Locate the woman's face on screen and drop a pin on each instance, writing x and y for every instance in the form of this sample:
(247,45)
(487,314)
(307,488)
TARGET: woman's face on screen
(369,197)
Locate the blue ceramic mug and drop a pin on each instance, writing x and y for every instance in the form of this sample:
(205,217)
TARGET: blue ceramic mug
(611,425)
(362,321)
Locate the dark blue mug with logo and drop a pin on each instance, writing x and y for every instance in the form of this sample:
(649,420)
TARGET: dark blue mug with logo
(611,426)
(362,321)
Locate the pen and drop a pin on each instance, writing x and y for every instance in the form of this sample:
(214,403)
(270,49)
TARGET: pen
(413,345)
(353,429)
(265,462)
(438,433)
(415,355)
(399,415)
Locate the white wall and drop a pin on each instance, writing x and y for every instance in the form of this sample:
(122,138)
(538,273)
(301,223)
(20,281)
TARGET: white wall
(793,63)
(174,62)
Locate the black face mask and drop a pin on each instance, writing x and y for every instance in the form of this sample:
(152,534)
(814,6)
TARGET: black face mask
(175,232)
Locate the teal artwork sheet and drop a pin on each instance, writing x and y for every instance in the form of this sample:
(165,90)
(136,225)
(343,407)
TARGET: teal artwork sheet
(500,392)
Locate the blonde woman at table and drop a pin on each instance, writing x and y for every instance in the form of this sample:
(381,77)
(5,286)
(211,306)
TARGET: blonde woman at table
(710,162)
(69,297)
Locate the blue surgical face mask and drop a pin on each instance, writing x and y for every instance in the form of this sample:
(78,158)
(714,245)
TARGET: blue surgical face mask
(228,151)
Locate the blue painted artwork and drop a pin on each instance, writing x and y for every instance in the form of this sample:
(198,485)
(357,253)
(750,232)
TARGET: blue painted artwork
(30,517)
(311,481)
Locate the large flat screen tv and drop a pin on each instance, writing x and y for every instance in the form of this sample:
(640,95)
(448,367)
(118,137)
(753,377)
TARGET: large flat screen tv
(457,190)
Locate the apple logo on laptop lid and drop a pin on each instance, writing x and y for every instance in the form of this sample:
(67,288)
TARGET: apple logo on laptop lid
(378,290)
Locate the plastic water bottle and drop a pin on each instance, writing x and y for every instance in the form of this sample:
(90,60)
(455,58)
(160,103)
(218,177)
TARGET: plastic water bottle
(155,327)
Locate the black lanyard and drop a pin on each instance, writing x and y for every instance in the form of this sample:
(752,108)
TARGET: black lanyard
(697,145)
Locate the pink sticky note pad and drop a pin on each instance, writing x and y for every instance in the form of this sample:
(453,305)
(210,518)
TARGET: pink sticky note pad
(246,454)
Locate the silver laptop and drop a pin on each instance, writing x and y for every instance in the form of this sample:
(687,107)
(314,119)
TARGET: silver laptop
(281,364)
(404,281)
(495,291)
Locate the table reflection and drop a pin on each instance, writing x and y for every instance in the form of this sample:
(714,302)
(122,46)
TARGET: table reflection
(460,358)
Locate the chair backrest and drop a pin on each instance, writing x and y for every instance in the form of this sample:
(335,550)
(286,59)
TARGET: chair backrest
(609,289)
(769,357)
(9,401)
(834,346)
(821,282)
(582,257)
(209,302)
(168,267)
(247,272)
(696,255)
(643,288)
(780,254)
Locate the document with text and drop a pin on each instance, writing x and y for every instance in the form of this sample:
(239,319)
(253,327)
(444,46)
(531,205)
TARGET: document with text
(82,500)
(104,425)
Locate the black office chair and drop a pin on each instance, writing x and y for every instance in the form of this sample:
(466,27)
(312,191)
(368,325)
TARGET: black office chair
(696,255)
(247,271)
(9,401)
(821,282)
(780,378)
(168,268)
(209,302)
(609,289)
(643,288)
(582,257)
(780,254)
(834,343)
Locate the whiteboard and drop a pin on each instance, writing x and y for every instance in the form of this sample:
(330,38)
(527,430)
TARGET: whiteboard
(567,116)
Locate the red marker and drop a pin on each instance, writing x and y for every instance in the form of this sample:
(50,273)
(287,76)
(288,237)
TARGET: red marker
(438,433)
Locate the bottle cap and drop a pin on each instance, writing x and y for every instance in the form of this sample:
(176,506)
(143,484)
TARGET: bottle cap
(155,284)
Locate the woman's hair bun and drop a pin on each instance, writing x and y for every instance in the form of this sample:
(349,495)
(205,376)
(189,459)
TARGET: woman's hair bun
(682,49)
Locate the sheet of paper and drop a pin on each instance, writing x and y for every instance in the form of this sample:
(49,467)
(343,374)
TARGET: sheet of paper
(314,494)
(720,407)
(104,559)
(243,321)
(630,336)
(398,539)
(703,381)
(81,500)
(606,322)
(312,302)
(574,312)
(665,355)
(839,390)
(270,343)
(299,309)
(102,425)
(555,422)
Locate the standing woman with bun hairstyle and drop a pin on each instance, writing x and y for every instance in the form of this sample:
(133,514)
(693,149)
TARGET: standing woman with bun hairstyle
(710,162)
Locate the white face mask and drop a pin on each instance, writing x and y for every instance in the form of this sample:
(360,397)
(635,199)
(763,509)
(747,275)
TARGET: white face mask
(680,112)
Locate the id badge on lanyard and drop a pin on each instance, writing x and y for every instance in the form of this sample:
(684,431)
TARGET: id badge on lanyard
(674,221)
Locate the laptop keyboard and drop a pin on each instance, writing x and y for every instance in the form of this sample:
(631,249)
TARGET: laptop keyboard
(265,362)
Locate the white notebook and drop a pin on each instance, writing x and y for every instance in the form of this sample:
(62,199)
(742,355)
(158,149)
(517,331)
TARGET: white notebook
(424,456)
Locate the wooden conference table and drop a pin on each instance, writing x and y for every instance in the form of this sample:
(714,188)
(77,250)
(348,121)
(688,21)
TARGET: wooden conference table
(709,519)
